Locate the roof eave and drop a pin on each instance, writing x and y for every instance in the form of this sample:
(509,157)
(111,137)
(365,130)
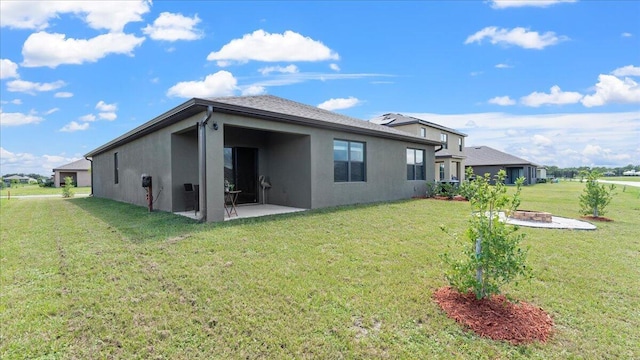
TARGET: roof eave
(173,116)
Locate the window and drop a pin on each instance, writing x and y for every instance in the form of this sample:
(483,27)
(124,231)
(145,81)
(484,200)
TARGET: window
(415,164)
(460,144)
(348,161)
(423,132)
(115,168)
(444,139)
(441,171)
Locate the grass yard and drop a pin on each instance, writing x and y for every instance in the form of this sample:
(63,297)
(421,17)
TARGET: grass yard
(92,278)
(22,190)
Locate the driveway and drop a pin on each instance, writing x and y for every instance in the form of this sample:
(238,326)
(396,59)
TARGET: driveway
(624,183)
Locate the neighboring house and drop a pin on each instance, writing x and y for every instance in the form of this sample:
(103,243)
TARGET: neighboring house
(312,158)
(79,171)
(21,179)
(541,174)
(449,162)
(484,159)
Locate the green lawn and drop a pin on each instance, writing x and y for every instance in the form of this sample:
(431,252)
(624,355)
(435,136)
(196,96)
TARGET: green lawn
(91,278)
(21,190)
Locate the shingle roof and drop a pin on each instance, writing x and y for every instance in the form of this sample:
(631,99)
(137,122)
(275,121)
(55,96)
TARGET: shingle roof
(266,107)
(279,105)
(395,119)
(486,156)
(82,164)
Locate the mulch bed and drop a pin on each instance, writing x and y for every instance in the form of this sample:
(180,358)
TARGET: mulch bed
(455,198)
(496,318)
(596,218)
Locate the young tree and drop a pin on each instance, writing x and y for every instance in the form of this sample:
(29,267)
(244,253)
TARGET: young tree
(493,257)
(595,196)
(67,189)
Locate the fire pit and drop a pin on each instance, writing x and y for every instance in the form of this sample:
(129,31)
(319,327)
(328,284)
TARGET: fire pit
(528,215)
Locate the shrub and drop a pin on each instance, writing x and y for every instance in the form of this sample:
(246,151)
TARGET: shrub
(493,256)
(67,189)
(596,196)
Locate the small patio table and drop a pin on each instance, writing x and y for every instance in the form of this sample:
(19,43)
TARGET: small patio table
(231,197)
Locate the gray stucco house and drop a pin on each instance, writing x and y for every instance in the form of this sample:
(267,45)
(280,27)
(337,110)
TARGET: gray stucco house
(312,158)
(449,160)
(78,170)
(484,159)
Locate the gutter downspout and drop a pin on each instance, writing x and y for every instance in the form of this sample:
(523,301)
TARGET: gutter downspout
(202,164)
(90,160)
(441,147)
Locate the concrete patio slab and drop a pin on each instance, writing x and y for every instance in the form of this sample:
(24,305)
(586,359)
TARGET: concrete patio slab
(249,211)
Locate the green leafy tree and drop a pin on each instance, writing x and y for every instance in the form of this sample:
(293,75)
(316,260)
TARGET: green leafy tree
(493,257)
(67,189)
(595,196)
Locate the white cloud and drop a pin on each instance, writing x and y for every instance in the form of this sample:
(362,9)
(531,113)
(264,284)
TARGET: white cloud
(254,90)
(109,116)
(295,78)
(502,101)
(45,49)
(289,69)
(610,89)
(102,106)
(33,87)
(555,97)
(174,27)
(334,67)
(14,102)
(221,83)
(339,103)
(51,111)
(8,69)
(263,46)
(74,126)
(503,4)
(88,117)
(503,66)
(628,70)
(540,140)
(17,119)
(626,34)
(14,162)
(35,15)
(63,94)
(517,36)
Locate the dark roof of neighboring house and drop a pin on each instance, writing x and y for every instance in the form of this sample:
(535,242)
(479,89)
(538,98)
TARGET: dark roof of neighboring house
(267,107)
(82,164)
(487,156)
(395,119)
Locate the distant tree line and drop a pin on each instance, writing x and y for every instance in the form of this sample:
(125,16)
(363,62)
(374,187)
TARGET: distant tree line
(574,172)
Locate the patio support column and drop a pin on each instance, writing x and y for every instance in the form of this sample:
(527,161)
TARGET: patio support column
(202,164)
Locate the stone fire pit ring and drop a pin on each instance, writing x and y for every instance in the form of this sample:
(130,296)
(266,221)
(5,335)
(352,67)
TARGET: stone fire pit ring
(545,220)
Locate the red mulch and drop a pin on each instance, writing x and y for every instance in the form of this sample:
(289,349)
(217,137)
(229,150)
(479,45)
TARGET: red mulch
(496,318)
(596,218)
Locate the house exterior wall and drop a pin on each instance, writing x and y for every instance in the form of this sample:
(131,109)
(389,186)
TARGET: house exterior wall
(528,171)
(150,155)
(298,159)
(455,153)
(82,177)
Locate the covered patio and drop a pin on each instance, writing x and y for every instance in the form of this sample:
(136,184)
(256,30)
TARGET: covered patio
(249,211)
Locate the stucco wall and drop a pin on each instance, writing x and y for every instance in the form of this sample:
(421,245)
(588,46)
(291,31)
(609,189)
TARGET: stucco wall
(298,159)
(82,177)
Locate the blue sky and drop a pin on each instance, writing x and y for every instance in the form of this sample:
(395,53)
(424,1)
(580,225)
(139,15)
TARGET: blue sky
(554,82)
